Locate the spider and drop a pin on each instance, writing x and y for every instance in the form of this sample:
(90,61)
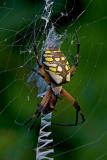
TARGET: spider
(56,71)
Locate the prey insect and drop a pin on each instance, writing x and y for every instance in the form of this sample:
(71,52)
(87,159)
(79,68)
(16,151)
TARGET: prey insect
(56,71)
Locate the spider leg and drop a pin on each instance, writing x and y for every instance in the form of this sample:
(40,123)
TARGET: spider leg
(39,73)
(46,99)
(28,121)
(37,60)
(36,56)
(35,115)
(32,126)
(75,105)
(76,58)
(41,108)
(49,98)
(23,124)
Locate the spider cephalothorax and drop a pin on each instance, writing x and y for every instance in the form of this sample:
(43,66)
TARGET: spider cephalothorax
(56,71)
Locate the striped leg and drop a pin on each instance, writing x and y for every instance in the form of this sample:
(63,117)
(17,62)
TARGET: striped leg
(74,103)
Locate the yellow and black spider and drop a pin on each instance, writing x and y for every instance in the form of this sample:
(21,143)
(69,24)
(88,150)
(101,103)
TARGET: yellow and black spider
(56,71)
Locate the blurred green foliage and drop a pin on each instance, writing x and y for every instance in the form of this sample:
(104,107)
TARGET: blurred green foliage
(84,142)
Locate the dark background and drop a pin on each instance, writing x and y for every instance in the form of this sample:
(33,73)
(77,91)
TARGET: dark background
(84,142)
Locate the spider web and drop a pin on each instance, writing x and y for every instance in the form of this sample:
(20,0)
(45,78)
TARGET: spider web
(18,99)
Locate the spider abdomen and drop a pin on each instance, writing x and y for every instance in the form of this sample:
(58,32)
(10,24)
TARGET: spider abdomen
(56,65)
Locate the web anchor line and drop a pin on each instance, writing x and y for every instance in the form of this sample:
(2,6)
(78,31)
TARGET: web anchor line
(44,148)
